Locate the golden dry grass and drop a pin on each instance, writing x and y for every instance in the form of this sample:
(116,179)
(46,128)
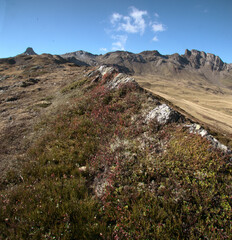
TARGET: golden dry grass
(204,101)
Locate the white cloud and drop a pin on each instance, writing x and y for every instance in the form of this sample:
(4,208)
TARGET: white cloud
(127,26)
(135,22)
(132,23)
(158,27)
(120,42)
(118,46)
(139,21)
(115,17)
(156,15)
(103,49)
(155,39)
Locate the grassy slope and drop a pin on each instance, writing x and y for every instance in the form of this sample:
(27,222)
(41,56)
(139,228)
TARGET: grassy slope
(142,181)
(206,102)
(29,89)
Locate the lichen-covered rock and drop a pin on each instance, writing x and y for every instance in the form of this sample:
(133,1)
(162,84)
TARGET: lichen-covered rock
(115,79)
(120,79)
(105,70)
(197,129)
(100,187)
(82,169)
(163,114)
(217,144)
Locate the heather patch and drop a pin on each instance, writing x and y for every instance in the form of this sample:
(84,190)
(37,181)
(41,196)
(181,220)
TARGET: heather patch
(101,171)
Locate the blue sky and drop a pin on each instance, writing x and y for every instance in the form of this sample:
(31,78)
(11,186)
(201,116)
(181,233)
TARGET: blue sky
(100,26)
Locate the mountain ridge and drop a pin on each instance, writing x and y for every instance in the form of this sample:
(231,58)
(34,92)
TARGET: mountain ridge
(193,63)
(84,55)
(191,58)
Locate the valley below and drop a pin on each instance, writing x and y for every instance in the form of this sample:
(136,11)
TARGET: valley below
(208,104)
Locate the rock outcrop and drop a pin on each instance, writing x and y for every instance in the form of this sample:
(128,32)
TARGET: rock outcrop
(198,129)
(29,51)
(163,114)
(199,59)
(111,76)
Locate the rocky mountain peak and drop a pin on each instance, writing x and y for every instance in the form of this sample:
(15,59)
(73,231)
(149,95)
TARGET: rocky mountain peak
(187,53)
(84,53)
(195,53)
(200,59)
(154,52)
(81,57)
(30,51)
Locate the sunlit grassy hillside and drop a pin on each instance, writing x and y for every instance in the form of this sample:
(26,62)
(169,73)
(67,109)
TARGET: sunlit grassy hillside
(101,171)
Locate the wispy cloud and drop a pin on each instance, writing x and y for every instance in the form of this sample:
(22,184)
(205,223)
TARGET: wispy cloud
(119,43)
(132,23)
(155,39)
(202,8)
(158,27)
(103,49)
(156,15)
(136,22)
(115,18)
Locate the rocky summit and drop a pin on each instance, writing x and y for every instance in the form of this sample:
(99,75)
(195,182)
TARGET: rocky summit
(29,51)
(87,153)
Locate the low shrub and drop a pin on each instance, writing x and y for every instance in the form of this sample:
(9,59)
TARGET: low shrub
(98,174)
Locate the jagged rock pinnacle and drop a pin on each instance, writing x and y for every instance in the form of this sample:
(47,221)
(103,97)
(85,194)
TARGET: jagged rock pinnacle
(29,51)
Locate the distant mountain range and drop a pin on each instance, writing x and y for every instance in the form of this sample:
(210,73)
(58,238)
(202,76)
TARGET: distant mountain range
(192,64)
(193,58)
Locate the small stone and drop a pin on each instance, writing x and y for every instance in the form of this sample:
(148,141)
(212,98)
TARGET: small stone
(203,133)
(82,169)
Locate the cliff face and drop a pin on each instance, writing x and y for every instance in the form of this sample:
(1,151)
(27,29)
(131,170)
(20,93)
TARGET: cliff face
(201,59)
